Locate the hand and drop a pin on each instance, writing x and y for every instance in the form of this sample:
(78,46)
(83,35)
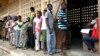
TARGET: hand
(33,32)
(50,31)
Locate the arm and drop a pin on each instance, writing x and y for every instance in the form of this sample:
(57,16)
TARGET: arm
(47,20)
(33,23)
(34,27)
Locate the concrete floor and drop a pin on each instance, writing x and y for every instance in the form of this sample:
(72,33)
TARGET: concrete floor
(74,51)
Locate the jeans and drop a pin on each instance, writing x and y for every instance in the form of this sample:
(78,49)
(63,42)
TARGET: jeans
(51,42)
(89,41)
(17,38)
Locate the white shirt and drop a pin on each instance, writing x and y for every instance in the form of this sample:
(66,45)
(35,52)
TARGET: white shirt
(38,23)
(93,21)
(49,15)
(17,27)
(44,26)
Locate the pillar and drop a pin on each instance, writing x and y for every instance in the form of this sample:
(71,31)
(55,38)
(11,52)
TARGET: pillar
(99,22)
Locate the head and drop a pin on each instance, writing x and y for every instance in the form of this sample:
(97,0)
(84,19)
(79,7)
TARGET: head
(32,9)
(9,17)
(49,6)
(95,15)
(44,11)
(5,19)
(19,18)
(39,13)
(63,5)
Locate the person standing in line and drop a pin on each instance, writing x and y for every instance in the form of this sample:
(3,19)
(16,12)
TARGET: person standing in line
(37,28)
(8,28)
(15,18)
(33,15)
(17,29)
(62,26)
(4,29)
(31,40)
(43,33)
(23,35)
(51,39)
(11,30)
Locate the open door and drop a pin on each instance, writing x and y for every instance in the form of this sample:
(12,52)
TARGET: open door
(79,13)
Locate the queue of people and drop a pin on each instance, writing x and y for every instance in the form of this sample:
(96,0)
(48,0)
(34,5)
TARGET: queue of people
(36,31)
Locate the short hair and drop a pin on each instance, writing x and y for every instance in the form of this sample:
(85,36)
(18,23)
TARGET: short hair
(32,9)
(45,10)
(63,3)
(49,5)
(9,17)
(5,18)
(95,15)
(39,12)
(19,17)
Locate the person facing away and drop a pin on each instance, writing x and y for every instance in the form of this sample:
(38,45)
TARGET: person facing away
(37,28)
(51,39)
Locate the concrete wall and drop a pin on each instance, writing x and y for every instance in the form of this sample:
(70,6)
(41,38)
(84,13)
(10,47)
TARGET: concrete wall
(22,7)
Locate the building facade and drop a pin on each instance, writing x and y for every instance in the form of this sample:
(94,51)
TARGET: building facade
(22,7)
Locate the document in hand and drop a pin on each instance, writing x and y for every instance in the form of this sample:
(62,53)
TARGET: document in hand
(86,31)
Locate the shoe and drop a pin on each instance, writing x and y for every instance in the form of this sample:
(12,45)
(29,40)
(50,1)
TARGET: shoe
(37,50)
(24,48)
(50,53)
(94,50)
(63,54)
(44,52)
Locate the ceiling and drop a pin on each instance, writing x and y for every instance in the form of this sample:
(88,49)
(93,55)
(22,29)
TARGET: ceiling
(3,3)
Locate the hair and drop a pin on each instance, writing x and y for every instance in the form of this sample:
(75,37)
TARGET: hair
(95,15)
(63,3)
(49,5)
(39,12)
(19,17)
(5,18)
(45,10)
(9,17)
(32,9)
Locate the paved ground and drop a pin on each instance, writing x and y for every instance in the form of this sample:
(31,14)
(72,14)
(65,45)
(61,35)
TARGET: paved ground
(19,52)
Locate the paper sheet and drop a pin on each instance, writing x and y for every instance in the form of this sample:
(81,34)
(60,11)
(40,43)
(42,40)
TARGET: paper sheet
(86,31)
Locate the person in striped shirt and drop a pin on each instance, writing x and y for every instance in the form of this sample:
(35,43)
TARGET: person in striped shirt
(62,26)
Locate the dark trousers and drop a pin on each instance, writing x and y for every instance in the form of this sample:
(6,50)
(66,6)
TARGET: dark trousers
(90,42)
(30,40)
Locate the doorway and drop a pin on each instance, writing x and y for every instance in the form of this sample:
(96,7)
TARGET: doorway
(79,13)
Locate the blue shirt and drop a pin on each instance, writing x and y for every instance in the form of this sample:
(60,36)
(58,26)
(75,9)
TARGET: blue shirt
(62,20)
